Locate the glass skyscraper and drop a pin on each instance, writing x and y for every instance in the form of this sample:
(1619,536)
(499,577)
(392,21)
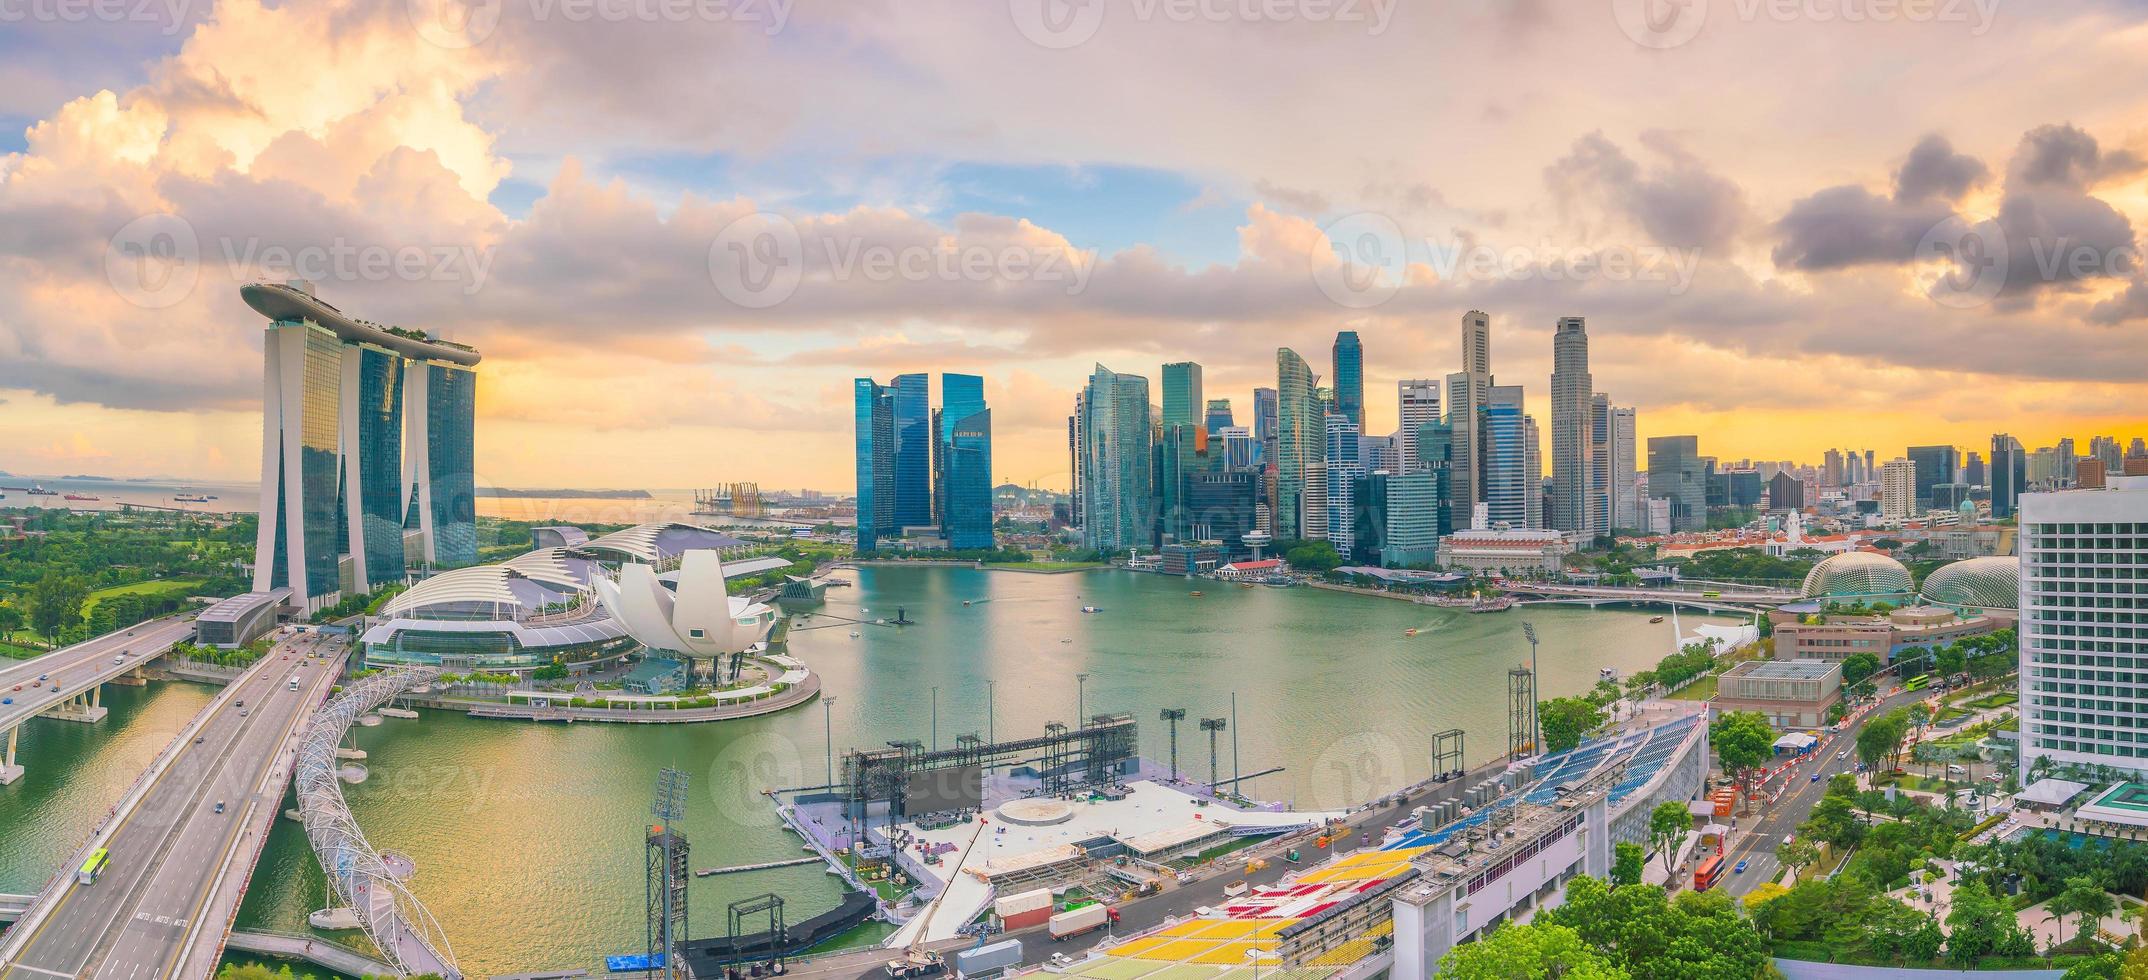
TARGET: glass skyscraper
(375,507)
(1116,449)
(961,396)
(1508,484)
(1299,436)
(914,438)
(1182,401)
(967,487)
(1219,416)
(1349,360)
(1675,473)
(448,488)
(873,412)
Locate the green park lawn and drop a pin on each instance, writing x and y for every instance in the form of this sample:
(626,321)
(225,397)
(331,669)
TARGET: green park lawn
(163,586)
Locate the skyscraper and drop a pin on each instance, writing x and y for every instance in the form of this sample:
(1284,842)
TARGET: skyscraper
(1676,474)
(1419,403)
(1898,488)
(1218,417)
(1601,493)
(873,412)
(1625,475)
(1831,468)
(2078,672)
(914,447)
(1935,466)
(1572,445)
(1264,412)
(1349,361)
(1467,391)
(1299,435)
(2009,473)
(1116,475)
(365,434)
(961,396)
(964,482)
(1508,482)
(1182,401)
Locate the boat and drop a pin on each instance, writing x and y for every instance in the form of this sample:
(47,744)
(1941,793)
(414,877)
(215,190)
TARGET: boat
(81,496)
(1092,609)
(1066,639)
(36,491)
(1196,593)
(1412,631)
(1607,673)
(1655,619)
(965,602)
(854,634)
(191,498)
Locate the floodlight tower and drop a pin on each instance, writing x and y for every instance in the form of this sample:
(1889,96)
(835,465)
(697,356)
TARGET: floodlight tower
(1173,716)
(1212,726)
(1535,735)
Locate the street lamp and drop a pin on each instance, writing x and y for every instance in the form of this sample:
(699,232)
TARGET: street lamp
(827,727)
(1081,689)
(936,718)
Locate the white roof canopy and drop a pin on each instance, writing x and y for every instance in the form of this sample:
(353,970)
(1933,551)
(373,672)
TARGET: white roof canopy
(2051,792)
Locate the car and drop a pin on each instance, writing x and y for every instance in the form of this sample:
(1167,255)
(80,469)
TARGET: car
(37,683)
(198,739)
(220,809)
(1062,960)
(1844,754)
(118,659)
(242,702)
(44,677)
(242,712)
(1816,777)
(18,687)
(7,700)
(1739,869)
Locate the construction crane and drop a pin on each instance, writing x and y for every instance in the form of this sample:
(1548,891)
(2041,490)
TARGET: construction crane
(916,960)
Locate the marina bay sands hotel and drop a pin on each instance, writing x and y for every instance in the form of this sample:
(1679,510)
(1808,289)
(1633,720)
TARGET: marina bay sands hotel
(366,449)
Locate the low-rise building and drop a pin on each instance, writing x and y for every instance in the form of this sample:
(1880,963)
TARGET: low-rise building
(1807,631)
(1791,693)
(1505,550)
(1194,557)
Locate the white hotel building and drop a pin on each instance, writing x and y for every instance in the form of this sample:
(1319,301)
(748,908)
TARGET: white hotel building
(2084,625)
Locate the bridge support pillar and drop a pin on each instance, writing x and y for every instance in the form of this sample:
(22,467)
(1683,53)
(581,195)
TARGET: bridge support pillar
(9,771)
(87,706)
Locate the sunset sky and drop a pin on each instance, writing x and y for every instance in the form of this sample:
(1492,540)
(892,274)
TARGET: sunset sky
(596,192)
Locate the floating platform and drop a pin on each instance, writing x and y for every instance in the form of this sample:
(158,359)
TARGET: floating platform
(763,866)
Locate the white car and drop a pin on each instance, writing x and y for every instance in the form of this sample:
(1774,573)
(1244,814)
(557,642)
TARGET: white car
(1062,960)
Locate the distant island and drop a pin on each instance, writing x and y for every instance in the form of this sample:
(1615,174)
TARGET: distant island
(584,494)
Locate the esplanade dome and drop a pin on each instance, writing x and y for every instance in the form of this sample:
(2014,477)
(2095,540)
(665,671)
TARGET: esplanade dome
(1854,574)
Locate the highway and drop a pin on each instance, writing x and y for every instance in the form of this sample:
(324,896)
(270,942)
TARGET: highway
(178,866)
(70,671)
(1755,839)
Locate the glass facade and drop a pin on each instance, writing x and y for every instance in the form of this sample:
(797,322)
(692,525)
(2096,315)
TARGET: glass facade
(968,485)
(1508,484)
(1182,401)
(873,407)
(1350,377)
(318,469)
(1299,437)
(913,447)
(961,396)
(380,462)
(1116,438)
(1219,417)
(451,450)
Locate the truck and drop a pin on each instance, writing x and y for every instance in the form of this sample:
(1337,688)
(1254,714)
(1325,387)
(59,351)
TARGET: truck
(1024,909)
(1234,889)
(989,959)
(1088,918)
(916,963)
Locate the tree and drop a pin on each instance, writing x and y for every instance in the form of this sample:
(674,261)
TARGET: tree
(1797,852)
(1314,556)
(10,621)
(1645,934)
(1920,715)
(1762,894)
(1534,950)
(1834,820)
(1977,923)
(1949,660)
(1565,720)
(1858,666)
(2087,900)
(1668,824)
(1743,742)
(1626,866)
(56,602)
(1881,738)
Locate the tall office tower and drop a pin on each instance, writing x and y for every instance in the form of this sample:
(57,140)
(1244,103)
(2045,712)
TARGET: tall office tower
(1300,431)
(1973,469)
(1074,464)
(1369,516)
(1218,417)
(1676,475)
(1380,452)
(1264,412)
(1538,501)
(1116,478)
(1418,401)
(365,435)
(1572,393)
(1349,359)
(1467,391)
(964,482)
(1508,482)
(1240,449)
(1831,468)
(1626,511)
(1935,466)
(1182,400)
(2065,460)
(914,445)
(1184,453)
(873,406)
(2009,473)
(961,396)
(1340,450)
(1871,466)
(2109,451)
(1600,490)
(2078,673)
(1898,488)
(1342,443)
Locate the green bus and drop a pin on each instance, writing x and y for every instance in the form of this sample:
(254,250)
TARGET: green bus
(1917,683)
(93,867)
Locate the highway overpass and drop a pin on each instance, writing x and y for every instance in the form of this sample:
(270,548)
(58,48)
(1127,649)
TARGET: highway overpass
(68,683)
(1726,599)
(184,839)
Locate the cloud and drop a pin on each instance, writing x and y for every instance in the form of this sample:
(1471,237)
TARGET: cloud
(1935,170)
(1677,201)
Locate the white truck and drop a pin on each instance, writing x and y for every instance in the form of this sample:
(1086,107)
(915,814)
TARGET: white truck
(916,963)
(1088,918)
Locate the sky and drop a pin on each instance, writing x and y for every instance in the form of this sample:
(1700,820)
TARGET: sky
(678,229)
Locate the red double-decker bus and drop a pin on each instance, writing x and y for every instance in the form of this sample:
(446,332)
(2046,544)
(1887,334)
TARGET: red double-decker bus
(1709,872)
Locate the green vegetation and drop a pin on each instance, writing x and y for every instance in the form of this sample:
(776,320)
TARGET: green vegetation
(1626,866)
(1317,557)
(240,657)
(1746,565)
(1743,742)
(1635,931)
(78,575)
(1565,720)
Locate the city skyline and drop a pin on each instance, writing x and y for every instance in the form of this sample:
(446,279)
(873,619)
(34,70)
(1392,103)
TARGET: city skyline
(578,253)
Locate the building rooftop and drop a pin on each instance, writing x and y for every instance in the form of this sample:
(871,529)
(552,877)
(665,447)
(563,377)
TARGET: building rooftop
(278,301)
(1789,670)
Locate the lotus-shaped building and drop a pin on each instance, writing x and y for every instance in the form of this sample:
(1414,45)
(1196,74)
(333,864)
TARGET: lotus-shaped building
(689,612)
